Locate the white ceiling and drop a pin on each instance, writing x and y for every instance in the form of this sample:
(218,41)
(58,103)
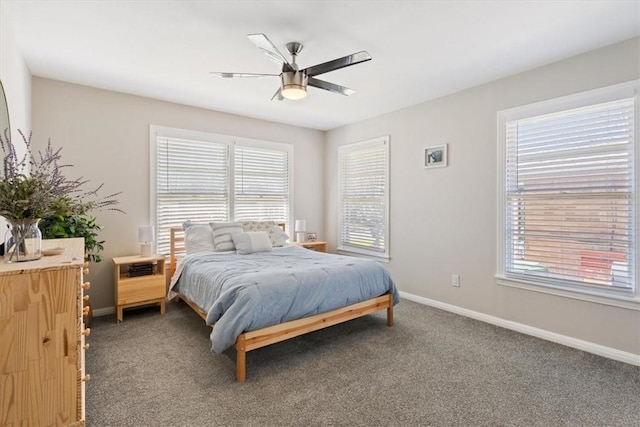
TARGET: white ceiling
(421,49)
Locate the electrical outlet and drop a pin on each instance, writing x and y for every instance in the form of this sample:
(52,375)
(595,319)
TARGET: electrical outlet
(455,280)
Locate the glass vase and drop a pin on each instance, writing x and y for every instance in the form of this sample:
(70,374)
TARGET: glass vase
(23,241)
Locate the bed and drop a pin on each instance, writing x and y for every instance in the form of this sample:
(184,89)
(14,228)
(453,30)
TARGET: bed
(257,299)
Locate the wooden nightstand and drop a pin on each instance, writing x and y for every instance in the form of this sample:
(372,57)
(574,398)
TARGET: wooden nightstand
(135,285)
(318,246)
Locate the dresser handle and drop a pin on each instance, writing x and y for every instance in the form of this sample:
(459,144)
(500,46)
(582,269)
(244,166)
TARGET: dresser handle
(86,346)
(86,264)
(85,298)
(85,271)
(86,285)
(86,378)
(86,332)
(85,311)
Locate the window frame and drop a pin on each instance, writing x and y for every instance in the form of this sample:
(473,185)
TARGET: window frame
(156,131)
(383,256)
(630,299)
(260,146)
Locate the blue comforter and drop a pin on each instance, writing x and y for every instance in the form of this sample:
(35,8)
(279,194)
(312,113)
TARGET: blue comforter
(242,293)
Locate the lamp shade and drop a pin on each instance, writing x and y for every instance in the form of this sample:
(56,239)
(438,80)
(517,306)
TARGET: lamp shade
(300,228)
(301,225)
(145,234)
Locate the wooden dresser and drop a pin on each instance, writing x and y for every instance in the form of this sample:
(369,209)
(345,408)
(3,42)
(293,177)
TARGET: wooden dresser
(42,338)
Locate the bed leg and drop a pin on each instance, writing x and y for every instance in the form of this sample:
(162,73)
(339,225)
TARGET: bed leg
(241,360)
(390,311)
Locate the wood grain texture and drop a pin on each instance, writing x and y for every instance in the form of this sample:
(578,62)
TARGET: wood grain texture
(248,341)
(40,355)
(140,290)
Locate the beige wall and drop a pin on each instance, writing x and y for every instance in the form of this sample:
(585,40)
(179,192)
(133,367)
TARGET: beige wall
(105,135)
(15,78)
(443,221)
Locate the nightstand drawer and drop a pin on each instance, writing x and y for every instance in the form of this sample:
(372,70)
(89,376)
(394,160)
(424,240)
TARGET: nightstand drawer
(139,280)
(138,289)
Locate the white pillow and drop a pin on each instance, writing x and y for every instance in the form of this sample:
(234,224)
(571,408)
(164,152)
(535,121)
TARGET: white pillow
(198,238)
(222,232)
(280,236)
(252,241)
(275,233)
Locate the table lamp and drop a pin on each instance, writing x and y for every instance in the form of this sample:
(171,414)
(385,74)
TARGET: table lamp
(145,237)
(300,229)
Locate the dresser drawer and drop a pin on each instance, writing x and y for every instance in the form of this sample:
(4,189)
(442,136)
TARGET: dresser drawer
(40,342)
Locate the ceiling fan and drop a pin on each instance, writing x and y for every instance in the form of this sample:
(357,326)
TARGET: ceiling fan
(293,81)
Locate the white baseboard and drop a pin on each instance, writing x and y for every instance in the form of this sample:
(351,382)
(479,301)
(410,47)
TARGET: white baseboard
(600,350)
(107,310)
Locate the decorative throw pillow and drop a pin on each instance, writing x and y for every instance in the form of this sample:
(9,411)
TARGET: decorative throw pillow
(275,233)
(252,241)
(222,233)
(197,238)
(280,236)
(187,224)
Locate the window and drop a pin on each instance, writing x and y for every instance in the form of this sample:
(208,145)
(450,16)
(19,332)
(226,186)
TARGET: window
(364,198)
(261,183)
(568,194)
(206,177)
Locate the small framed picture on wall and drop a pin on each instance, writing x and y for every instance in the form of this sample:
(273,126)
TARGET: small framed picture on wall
(435,156)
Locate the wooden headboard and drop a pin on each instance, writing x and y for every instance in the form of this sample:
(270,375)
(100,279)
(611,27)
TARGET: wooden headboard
(177,246)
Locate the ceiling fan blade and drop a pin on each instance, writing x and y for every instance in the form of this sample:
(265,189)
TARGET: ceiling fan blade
(241,75)
(269,49)
(278,95)
(336,64)
(331,87)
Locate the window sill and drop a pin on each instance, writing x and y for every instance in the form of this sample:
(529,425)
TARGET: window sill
(380,258)
(628,302)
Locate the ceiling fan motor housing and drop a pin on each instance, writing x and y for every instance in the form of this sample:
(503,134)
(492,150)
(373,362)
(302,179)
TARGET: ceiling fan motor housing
(294,84)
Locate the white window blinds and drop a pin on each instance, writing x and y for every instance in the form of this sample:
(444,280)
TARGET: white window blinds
(569,199)
(261,184)
(192,179)
(364,197)
(206,177)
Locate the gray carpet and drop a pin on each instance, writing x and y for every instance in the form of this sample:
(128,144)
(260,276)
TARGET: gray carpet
(431,368)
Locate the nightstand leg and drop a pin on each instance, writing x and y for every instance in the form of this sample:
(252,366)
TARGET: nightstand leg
(119,313)
(162,306)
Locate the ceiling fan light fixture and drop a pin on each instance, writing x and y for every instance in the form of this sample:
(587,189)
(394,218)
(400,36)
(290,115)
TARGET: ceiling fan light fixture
(294,85)
(294,92)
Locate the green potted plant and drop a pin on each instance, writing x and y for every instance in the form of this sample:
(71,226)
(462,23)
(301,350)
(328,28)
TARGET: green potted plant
(71,218)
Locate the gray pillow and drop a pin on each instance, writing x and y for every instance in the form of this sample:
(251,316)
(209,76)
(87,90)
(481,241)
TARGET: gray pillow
(222,232)
(252,241)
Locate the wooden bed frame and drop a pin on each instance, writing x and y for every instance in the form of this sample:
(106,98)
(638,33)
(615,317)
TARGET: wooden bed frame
(252,340)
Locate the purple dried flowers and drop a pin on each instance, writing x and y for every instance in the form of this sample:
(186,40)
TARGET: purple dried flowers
(32,184)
